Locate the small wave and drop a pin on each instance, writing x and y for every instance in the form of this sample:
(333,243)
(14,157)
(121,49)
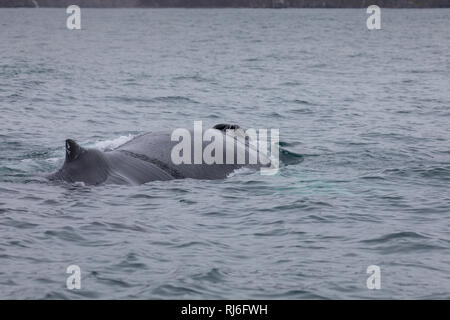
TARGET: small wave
(303,102)
(291,83)
(196,78)
(302,111)
(394,236)
(430,172)
(275,115)
(66,234)
(174,99)
(150,100)
(289,157)
(403,242)
(213,275)
(168,290)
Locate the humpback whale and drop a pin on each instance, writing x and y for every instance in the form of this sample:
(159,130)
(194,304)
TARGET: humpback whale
(149,157)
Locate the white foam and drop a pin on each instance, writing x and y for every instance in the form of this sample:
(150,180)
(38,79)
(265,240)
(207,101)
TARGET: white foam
(240,171)
(112,144)
(53,160)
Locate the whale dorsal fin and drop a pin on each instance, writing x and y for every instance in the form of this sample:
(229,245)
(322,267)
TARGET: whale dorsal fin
(73,150)
(226,126)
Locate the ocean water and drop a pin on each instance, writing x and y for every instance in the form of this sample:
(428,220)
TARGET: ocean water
(366,112)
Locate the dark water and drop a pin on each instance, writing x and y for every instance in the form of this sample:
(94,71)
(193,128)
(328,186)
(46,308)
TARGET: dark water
(368,111)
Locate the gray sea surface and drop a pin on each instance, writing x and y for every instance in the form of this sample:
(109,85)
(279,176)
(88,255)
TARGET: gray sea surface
(366,112)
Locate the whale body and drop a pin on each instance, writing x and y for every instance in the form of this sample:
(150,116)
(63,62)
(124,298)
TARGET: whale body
(147,158)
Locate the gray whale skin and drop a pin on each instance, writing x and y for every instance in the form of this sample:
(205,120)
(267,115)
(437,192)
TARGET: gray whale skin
(143,159)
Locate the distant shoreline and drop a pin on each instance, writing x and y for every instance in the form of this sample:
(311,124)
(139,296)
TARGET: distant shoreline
(217,4)
(224,8)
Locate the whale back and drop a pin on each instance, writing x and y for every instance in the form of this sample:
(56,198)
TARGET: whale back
(157,148)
